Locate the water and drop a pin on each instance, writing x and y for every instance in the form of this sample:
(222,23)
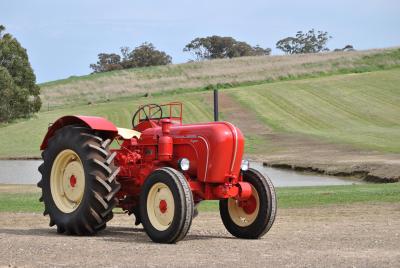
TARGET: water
(25,172)
(287,178)
(19,171)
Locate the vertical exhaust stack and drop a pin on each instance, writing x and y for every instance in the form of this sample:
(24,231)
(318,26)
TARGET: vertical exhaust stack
(216,105)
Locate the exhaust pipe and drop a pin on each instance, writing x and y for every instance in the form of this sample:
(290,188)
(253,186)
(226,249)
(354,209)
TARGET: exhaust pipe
(216,105)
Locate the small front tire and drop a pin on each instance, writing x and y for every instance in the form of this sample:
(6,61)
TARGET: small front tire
(253,218)
(166,206)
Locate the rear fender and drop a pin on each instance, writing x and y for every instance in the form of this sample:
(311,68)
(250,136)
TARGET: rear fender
(108,129)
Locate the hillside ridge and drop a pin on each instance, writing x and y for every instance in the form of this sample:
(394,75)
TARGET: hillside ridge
(223,73)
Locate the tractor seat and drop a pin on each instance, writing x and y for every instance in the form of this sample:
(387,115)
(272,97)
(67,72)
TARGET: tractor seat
(127,134)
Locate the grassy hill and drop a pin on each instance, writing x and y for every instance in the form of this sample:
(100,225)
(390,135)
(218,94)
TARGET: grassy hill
(225,73)
(359,109)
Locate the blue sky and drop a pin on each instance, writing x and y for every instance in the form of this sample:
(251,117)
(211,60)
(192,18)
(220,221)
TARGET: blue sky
(64,37)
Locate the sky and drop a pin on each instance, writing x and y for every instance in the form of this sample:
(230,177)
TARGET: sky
(64,37)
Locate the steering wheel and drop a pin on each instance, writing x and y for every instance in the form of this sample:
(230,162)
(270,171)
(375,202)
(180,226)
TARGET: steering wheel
(157,111)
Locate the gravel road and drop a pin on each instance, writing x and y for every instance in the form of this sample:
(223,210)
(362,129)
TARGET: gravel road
(360,235)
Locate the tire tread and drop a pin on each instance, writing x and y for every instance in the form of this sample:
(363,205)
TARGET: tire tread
(92,215)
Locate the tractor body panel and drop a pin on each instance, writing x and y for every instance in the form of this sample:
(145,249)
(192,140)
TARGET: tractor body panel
(214,149)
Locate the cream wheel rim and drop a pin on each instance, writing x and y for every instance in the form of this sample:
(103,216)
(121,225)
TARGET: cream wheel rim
(160,206)
(67,181)
(244,213)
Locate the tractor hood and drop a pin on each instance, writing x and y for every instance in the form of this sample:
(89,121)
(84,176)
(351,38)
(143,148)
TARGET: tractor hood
(214,149)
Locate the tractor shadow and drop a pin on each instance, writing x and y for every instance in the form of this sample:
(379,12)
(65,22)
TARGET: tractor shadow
(111,234)
(138,235)
(30,232)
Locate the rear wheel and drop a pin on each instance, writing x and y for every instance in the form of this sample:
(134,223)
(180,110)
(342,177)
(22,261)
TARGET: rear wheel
(251,218)
(167,206)
(78,181)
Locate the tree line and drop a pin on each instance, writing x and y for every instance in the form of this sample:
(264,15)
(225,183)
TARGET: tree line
(213,47)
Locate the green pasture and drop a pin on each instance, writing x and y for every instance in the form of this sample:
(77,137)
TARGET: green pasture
(358,109)
(288,197)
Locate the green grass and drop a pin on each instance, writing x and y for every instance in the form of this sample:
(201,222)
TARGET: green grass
(254,143)
(358,109)
(303,197)
(288,197)
(20,202)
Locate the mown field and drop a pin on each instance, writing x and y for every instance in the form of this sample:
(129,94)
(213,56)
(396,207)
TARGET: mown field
(362,110)
(358,109)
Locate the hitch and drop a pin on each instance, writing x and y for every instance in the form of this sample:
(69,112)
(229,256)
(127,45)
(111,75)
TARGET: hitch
(239,191)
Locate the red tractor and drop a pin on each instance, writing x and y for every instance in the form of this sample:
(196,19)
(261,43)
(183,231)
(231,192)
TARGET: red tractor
(160,172)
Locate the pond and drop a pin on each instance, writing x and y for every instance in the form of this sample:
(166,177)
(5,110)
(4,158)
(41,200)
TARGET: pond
(288,178)
(25,172)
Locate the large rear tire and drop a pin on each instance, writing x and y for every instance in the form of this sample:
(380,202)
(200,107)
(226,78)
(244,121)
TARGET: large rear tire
(253,218)
(166,206)
(78,181)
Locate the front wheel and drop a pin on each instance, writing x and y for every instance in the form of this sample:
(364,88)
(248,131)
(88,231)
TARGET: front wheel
(252,218)
(166,206)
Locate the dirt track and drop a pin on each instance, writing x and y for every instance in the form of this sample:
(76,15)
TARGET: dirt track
(345,236)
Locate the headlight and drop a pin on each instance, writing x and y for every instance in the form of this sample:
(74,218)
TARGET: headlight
(245,165)
(184,164)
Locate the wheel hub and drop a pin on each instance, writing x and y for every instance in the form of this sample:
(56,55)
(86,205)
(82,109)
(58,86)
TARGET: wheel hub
(67,181)
(163,206)
(72,181)
(250,205)
(244,213)
(160,206)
